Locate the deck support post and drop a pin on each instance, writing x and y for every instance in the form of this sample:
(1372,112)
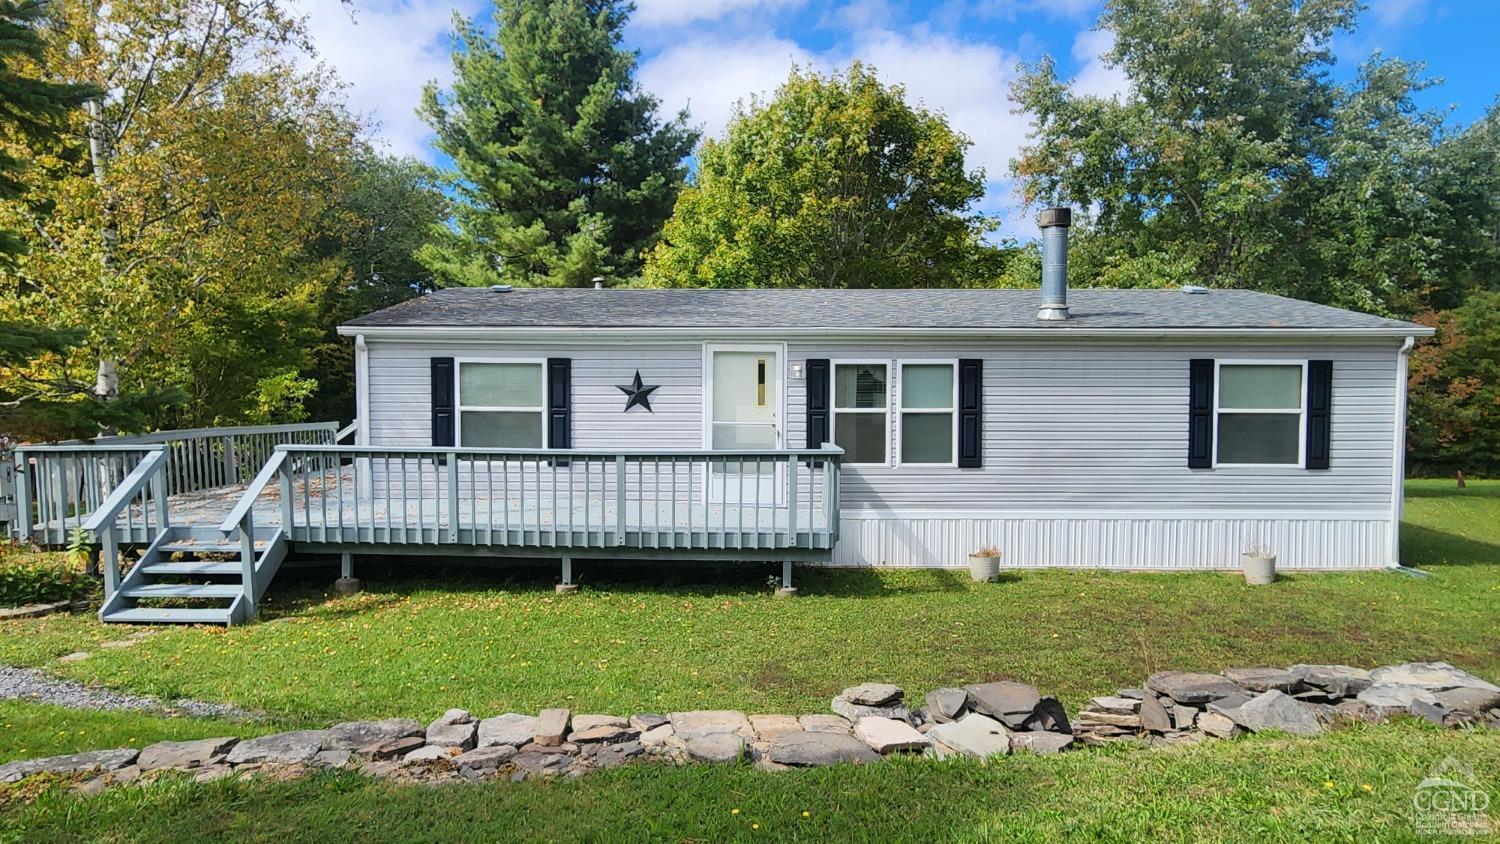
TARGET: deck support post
(787,590)
(567,586)
(347,584)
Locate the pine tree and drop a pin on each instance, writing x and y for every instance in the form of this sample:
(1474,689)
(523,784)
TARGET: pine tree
(31,106)
(565,171)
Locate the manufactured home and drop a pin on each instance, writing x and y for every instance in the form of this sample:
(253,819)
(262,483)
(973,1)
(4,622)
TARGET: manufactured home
(1149,429)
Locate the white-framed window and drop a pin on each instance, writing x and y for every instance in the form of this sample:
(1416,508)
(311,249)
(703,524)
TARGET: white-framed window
(501,403)
(862,411)
(1259,413)
(927,433)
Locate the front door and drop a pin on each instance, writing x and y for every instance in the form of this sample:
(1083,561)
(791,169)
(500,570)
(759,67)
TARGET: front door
(744,414)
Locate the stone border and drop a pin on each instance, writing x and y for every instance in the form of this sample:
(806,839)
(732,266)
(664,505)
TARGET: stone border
(869,721)
(40,610)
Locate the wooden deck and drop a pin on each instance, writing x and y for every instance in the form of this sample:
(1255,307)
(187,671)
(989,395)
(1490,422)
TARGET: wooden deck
(327,508)
(192,494)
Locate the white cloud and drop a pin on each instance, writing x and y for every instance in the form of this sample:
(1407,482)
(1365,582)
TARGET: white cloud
(1094,77)
(708,76)
(386,50)
(651,13)
(1390,13)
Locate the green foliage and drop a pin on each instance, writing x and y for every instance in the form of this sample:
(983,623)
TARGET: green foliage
(387,211)
(1236,161)
(564,169)
(32,578)
(1455,401)
(836,181)
(32,108)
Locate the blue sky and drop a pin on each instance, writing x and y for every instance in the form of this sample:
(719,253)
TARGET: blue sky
(959,56)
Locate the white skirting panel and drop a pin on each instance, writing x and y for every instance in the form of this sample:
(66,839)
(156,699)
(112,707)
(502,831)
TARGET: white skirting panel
(1193,540)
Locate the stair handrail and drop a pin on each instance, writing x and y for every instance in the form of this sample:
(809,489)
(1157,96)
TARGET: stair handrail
(101,522)
(244,507)
(342,433)
(242,517)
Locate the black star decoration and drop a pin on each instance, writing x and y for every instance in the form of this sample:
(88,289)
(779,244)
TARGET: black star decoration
(639,393)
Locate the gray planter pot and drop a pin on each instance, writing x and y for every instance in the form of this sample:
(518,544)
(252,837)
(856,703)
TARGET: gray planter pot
(983,569)
(1260,569)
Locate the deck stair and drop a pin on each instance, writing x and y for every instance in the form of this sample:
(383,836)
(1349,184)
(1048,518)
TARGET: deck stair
(206,577)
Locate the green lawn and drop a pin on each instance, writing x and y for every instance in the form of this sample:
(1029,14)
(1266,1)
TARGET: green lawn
(495,641)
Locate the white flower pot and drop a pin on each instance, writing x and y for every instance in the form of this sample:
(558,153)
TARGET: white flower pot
(1260,569)
(983,569)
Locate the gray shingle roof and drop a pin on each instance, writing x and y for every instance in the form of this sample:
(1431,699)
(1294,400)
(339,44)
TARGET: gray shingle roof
(1092,308)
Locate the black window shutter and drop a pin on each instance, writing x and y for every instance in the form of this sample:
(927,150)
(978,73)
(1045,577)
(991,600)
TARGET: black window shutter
(559,402)
(1319,413)
(970,413)
(1201,414)
(818,396)
(442,402)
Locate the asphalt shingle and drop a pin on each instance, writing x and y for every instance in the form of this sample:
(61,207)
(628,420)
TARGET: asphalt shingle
(973,308)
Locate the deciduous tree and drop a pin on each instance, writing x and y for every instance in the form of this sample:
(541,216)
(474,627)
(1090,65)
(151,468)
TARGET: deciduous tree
(836,181)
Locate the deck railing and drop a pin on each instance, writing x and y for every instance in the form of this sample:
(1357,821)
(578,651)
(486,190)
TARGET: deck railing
(585,499)
(141,497)
(58,486)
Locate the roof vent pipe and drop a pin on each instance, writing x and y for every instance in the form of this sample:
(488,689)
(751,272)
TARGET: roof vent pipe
(1054,223)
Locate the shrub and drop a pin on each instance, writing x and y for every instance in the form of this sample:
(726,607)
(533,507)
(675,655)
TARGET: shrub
(27,577)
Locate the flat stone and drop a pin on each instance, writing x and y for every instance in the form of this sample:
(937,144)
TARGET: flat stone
(1353,710)
(72,763)
(184,754)
(657,736)
(1275,710)
(1432,712)
(1394,694)
(333,758)
(123,643)
(1114,705)
(873,694)
(1040,742)
(1049,716)
(1112,719)
(352,735)
(76,656)
(645,721)
(944,705)
(1218,725)
(1335,680)
(715,748)
(429,753)
(887,735)
(292,748)
(1183,717)
(768,727)
(1236,699)
(1435,676)
(583,723)
(461,735)
(390,748)
(1136,694)
(806,749)
(853,711)
(820,723)
(1005,701)
(212,772)
(1154,716)
(602,734)
(1471,699)
(1191,687)
(1262,679)
(610,755)
(485,758)
(551,727)
(511,728)
(451,717)
(539,764)
(973,735)
(712,722)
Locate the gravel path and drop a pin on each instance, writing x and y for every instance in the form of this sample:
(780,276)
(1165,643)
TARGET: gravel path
(30,684)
